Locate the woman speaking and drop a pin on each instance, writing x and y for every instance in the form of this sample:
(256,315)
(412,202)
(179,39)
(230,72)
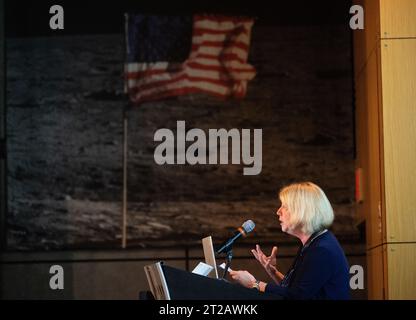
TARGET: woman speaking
(320,269)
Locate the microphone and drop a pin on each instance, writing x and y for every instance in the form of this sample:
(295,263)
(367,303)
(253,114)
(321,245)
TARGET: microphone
(242,231)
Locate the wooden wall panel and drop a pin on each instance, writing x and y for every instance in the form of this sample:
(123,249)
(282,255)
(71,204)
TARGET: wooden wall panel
(365,41)
(401,259)
(375,232)
(368,149)
(375,273)
(398,64)
(361,137)
(397,18)
(385,75)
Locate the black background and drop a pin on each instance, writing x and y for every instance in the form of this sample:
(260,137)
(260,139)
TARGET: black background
(31,18)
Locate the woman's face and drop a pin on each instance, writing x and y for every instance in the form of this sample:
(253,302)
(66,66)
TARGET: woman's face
(283,215)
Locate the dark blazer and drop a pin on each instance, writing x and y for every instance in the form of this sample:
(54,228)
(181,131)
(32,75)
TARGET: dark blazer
(320,271)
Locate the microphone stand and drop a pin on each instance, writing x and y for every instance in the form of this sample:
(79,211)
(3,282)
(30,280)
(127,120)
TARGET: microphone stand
(229,256)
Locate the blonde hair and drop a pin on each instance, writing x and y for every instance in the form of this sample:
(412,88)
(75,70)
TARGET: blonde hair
(309,208)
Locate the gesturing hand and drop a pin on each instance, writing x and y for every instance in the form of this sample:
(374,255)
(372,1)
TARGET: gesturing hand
(268,263)
(245,278)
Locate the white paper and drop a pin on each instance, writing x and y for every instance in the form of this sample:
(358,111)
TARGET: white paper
(222,266)
(202,269)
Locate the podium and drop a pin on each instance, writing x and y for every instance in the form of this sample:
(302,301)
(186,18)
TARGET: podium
(168,283)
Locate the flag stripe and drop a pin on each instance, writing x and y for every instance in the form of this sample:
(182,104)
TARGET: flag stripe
(220,18)
(167,79)
(220,38)
(221,25)
(220,45)
(174,92)
(207,71)
(220,67)
(217,63)
(191,70)
(216,51)
(205,31)
(231,63)
(142,68)
(217,89)
(229,57)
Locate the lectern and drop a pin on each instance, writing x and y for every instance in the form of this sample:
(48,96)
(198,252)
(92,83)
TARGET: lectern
(168,283)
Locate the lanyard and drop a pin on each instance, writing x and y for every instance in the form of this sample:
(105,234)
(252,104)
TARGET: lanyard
(286,280)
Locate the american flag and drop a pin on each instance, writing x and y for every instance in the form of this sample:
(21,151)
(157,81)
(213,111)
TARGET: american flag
(176,55)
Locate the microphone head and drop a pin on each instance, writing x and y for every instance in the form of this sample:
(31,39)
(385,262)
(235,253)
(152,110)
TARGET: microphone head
(248,226)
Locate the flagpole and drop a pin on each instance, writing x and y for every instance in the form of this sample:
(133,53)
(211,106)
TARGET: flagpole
(124,205)
(125,126)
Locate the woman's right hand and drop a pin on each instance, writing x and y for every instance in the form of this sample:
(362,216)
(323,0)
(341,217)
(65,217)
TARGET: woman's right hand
(268,263)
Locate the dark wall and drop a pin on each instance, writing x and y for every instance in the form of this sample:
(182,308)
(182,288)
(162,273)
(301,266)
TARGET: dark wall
(119,274)
(64,121)
(28,18)
(64,148)
(3,166)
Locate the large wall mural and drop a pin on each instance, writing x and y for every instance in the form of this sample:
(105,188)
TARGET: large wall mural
(65,104)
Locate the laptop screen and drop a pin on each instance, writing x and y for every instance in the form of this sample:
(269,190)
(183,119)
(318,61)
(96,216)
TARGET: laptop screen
(209,255)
